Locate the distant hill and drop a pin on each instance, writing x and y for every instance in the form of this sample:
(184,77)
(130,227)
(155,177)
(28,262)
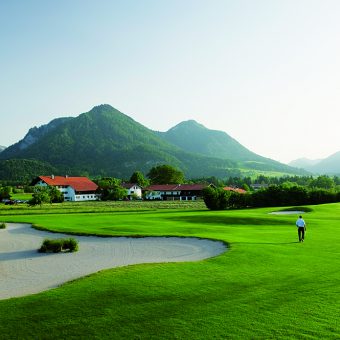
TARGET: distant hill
(106,142)
(329,165)
(194,137)
(2,148)
(304,163)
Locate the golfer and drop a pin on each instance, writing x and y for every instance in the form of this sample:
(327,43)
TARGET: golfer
(301,225)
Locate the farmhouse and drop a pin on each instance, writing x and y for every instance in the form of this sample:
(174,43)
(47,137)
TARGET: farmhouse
(240,191)
(172,192)
(73,188)
(133,190)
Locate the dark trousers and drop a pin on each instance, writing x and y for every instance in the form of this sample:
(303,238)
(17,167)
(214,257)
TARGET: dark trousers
(301,233)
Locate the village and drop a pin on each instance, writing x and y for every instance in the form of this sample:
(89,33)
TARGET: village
(76,189)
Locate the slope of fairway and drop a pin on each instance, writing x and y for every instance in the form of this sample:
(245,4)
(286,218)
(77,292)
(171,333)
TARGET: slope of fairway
(267,286)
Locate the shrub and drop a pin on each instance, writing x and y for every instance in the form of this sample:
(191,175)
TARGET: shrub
(2,225)
(58,245)
(216,199)
(71,244)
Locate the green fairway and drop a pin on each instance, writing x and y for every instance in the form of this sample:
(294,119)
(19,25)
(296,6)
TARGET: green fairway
(266,286)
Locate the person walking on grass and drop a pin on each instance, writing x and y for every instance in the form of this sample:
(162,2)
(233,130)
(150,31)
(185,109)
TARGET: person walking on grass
(301,225)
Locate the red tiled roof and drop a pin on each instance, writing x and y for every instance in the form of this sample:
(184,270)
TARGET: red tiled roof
(77,183)
(192,187)
(176,187)
(161,187)
(240,191)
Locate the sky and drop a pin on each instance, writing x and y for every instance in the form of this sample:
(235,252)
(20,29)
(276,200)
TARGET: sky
(267,72)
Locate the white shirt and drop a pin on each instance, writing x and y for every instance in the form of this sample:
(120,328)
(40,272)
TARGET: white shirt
(300,223)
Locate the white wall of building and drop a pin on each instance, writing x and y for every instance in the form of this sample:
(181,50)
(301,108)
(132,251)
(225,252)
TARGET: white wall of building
(153,195)
(71,195)
(135,190)
(86,197)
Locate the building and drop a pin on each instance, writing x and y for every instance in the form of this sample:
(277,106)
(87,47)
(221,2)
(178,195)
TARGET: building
(173,192)
(73,188)
(240,191)
(258,186)
(133,190)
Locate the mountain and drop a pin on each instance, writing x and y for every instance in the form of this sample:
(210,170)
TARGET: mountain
(304,163)
(329,165)
(106,142)
(36,133)
(194,137)
(2,148)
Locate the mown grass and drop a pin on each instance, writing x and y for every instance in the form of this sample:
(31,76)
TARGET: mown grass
(267,286)
(21,196)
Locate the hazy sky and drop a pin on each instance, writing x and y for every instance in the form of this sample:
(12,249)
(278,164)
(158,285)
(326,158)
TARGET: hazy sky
(267,72)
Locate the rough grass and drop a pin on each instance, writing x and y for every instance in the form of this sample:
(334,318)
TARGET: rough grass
(99,207)
(267,286)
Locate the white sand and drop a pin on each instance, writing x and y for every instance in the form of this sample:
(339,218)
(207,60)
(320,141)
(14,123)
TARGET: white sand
(287,212)
(24,271)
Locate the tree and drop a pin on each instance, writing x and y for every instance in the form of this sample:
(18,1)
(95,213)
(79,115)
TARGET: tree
(5,192)
(110,189)
(323,182)
(56,196)
(165,174)
(138,178)
(41,195)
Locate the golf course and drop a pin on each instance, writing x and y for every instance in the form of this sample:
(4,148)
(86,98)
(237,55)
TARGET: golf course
(266,285)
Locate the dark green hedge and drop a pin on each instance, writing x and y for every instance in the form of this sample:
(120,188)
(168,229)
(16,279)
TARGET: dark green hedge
(273,196)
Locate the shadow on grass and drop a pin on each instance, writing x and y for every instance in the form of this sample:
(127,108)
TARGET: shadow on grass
(228,220)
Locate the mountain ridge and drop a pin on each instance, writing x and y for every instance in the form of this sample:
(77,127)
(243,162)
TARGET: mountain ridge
(194,137)
(105,141)
(329,165)
(36,133)
(304,162)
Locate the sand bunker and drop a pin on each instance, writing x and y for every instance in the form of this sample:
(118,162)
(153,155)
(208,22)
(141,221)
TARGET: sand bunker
(287,212)
(24,271)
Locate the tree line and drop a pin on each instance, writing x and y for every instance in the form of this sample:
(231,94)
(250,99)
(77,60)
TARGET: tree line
(276,191)
(272,196)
